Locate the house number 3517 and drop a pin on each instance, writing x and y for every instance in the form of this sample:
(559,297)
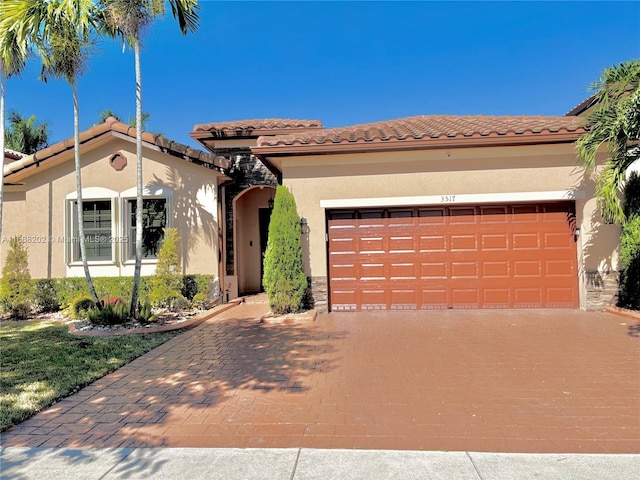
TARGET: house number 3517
(447,198)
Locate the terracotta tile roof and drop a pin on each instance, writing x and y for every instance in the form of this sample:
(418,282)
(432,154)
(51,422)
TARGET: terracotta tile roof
(12,154)
(254,128)
(429,129)
(113,127)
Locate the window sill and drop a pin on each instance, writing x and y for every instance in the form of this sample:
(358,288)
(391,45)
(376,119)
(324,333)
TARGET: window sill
(92,262)
(148,261)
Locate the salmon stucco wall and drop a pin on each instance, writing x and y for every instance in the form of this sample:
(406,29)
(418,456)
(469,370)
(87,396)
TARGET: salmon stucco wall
(445,174)
(40,211)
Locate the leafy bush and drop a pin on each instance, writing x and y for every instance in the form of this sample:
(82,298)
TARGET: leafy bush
(167,282)
(629,261)
(632,196)
(53,294)
(46,296)
(629,292)
(80,306)
(180,303)
(200,300)
(284,279)
(16,292)
(110,314)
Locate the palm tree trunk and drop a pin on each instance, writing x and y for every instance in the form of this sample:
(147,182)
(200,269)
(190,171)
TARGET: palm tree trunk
(2,121)
(76,146)
(139,199)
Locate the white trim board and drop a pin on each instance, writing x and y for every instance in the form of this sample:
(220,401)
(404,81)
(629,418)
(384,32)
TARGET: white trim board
(453,198)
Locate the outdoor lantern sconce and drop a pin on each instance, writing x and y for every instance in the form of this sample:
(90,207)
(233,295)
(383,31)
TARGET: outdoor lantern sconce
(577,232)
(270,203)
(304,226)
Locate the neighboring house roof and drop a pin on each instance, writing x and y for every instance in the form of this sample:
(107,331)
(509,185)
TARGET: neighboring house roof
(113,127)
(254,128)
(424,132)
(12,154)
(582,107)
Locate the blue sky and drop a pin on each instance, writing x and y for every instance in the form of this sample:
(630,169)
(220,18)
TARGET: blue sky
(347,62)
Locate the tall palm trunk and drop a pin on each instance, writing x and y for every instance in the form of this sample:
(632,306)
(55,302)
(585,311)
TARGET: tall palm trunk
(2,122)
(76,143)
(139,199)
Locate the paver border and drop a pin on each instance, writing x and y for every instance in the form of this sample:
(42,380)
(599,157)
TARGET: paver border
(623,312)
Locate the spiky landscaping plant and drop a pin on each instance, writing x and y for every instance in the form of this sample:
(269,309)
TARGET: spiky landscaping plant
(284,279)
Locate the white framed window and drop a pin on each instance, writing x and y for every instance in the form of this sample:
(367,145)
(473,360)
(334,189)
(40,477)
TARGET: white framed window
(99,219)
(155,218)
(154,221)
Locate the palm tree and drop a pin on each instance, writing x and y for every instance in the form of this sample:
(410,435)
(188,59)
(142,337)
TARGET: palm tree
(13,57)
(25,135)
(128,19)
(60,31)
(615,121)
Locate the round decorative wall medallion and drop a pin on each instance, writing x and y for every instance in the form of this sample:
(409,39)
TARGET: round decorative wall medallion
(118,161)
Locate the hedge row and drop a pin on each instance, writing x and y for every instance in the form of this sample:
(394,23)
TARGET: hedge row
(53,294)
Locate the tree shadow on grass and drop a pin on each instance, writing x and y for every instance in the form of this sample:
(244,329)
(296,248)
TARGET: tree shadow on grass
(210,376)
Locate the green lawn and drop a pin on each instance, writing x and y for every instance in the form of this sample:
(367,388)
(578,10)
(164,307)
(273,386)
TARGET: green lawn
(40,362)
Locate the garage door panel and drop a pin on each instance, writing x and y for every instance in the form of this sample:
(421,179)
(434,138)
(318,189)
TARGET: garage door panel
(527,268)
(464,269)
(404,299)
(558,267)
(557,240)
(433,270)
(486,256)
(433,243)
(465,298)
(498,269)
(526,241)
(463,242)
(494,241)
(496,297)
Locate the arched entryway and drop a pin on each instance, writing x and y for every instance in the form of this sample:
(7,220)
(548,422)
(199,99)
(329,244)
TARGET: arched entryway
(251,214)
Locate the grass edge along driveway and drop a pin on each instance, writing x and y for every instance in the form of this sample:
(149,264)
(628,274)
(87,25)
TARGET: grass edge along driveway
(40,363)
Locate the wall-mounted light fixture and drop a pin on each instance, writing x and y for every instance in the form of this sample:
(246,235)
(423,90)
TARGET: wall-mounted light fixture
(577,231)
(270,201)
(304,226)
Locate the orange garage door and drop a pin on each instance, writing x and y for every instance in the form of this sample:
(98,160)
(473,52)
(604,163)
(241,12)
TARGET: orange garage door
(467,256)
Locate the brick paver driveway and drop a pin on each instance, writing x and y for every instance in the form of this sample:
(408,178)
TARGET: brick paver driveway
(503,381)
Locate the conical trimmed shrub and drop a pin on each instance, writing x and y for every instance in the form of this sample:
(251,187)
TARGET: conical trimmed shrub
(16,292)
(284,279)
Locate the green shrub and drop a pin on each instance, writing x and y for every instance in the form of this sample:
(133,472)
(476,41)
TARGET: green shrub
(80,306)
(46,295)
(53,294)
(180,303)
(629,261)
(632,196)
(199,283)
(110,314)
(167,282)
(16,292)
(200,300)
(284,279)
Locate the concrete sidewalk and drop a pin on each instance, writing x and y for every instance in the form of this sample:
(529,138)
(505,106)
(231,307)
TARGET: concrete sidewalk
(293,463)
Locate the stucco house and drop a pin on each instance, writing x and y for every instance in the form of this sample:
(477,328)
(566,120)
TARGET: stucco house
(424,212)
(180,191)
